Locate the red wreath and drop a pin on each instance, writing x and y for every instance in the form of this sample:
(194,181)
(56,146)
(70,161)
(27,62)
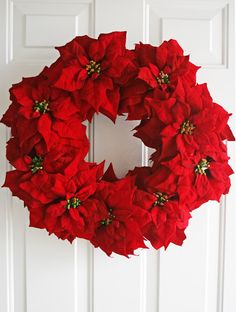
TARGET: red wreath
(71,197)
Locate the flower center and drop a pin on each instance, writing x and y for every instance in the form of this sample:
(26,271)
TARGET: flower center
(162,198)
(93,68)
(73,202)
(163,78)
(36,164)
(202,166)
(187,127)
(109,219)
(41,107)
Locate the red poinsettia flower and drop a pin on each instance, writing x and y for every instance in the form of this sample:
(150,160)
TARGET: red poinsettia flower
(34,185)
(184,127)
(165,220)
(201,177)
(162,66)
(160,71)
(159,177)
(63,157)
(39,175)
(142,201)
(53,199)
(117,230)
(74,214)
(40,111)
(170,220)
(95,69)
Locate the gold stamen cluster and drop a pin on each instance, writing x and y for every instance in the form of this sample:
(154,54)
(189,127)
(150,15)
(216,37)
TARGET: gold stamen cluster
(202,166)
(109,219)
(73,202)
(93,68)
(187,127)
(162,78)
(162,198)
(41,107)
(36,164)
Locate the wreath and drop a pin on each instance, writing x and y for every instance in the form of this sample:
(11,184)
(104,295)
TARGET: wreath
(71,197)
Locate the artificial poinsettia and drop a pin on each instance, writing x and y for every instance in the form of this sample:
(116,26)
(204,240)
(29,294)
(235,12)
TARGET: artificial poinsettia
(94,69)
(42,112)
(75,213)
(63,157)
(34,184)
(162,66)
(161,70)
(202,177)
(156,178)
(142,200)
(170,220)
(186,126)
(117,230)
(167,219)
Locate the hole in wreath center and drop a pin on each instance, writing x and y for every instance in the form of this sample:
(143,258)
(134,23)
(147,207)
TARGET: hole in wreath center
(116,144)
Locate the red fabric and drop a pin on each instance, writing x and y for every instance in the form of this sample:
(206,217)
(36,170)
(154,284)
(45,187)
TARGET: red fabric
(70,197)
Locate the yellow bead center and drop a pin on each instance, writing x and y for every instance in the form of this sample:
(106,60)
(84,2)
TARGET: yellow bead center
(162,78)
(202,166)
(187,127)
(73,202)
(161,199)
(93,68)
(41,107)
(109,219)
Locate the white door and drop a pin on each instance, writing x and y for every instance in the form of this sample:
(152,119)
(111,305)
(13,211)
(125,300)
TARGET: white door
(40,273)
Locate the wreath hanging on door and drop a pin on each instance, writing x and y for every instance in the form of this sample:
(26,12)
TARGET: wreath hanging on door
(71,197)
